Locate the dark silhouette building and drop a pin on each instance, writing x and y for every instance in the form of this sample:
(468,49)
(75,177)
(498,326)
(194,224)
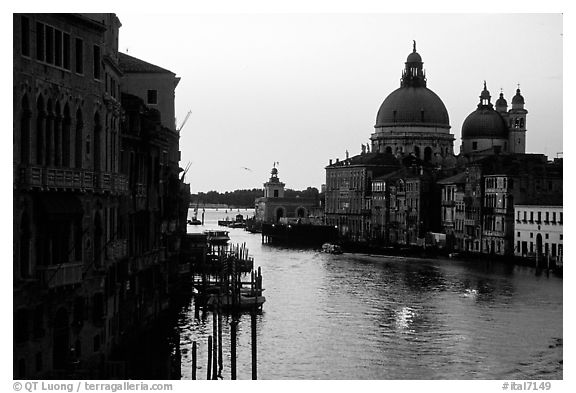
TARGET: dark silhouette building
(93,223)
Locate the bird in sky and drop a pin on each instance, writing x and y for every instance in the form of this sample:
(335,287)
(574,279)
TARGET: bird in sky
(246,169)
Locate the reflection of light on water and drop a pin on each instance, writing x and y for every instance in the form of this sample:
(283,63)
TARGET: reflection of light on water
(404,318)
(472,293)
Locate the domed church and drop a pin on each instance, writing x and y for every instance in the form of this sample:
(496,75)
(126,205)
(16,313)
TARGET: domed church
(487,130)
(413,119)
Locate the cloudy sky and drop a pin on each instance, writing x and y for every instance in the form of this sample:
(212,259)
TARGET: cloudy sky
(302,88)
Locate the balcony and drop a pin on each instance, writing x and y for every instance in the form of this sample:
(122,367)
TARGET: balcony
(60,275)
(46,178)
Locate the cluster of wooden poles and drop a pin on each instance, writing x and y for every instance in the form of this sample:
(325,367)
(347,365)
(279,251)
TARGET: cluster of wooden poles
(228,280)
(214,358)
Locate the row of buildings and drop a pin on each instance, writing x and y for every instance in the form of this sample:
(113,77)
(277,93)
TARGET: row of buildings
(409,188)
(99,203)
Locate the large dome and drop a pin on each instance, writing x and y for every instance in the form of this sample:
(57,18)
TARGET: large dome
(413,106)
(484,123)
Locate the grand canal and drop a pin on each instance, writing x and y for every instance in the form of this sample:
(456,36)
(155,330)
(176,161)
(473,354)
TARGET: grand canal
(357,316)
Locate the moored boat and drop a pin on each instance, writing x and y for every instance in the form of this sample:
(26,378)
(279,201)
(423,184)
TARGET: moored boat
(331,248)
(217,237)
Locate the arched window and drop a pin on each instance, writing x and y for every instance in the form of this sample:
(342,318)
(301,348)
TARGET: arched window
(57,135)
(521,122)
(66,124)
(24,253)
(25,137)
(98,237)
(301,212)
(427,153)
(388,150)
(49,146)
(78,139)
(40,132)
(61,339)
(97,143)
(417,151)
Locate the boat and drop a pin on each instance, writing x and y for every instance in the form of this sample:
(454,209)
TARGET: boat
(331,248)
(217,237)
(246,301)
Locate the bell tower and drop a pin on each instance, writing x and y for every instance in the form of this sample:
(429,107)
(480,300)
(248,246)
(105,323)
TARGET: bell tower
(274,188)
(517,124)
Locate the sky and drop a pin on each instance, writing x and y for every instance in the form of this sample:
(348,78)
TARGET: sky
(302,88)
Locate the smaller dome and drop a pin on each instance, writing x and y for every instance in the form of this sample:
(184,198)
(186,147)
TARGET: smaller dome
(484,123)
(501,101)
(518,99)
(414,57)
(274,171)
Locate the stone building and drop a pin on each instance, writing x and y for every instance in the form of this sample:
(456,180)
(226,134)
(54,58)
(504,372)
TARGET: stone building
(492,187)
(348,192)
(274,207)
(73,246)
(539,232)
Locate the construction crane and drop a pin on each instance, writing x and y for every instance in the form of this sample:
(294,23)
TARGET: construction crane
(184,122)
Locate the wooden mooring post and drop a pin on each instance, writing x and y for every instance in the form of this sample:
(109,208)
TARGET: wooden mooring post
(209,369)
(219,339)
(254,346)
(233,325)
(194,360)
(215,344)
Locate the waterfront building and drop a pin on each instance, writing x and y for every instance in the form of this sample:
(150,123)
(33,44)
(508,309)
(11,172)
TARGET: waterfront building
(470,197)
(274,207)
(539,232)
(453,210)
(348,191)
(74,244)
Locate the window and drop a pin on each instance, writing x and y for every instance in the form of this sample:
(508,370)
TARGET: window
(97,62)
(518,235)
(49,45)
(57,48)
(546,236)
(39,41)
(531,216)
(66,50)
(25,36)
(152,97)
(539,216)
(554,217)
(474,145)
(275,193)
(531,235)
(79,56)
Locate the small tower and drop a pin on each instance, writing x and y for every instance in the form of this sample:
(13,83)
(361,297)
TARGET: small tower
(274,188)
(502,107)
(517,124)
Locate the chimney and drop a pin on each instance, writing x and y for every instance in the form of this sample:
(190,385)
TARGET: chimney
(330,161)
(337,160)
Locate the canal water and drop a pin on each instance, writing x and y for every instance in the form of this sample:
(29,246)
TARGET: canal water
(359,316)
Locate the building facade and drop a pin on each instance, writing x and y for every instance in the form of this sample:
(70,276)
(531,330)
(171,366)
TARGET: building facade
(539,233)
(274,207)
(73,245)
